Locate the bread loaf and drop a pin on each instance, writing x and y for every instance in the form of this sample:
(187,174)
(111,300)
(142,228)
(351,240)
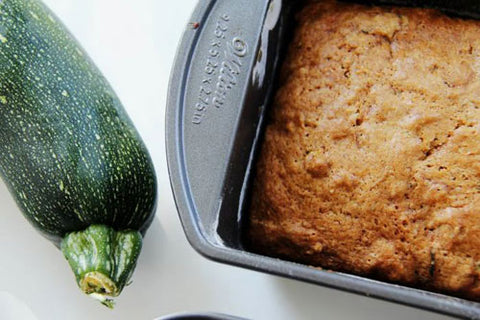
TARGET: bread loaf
(371,157)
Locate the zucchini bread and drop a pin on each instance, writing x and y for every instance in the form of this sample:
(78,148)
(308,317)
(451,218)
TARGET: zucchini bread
(370,162)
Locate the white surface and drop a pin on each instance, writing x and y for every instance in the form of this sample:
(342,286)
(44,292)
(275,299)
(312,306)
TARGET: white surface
(133,43)
(12,308)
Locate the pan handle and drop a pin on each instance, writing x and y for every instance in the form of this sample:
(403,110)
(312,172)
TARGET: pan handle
(216,99)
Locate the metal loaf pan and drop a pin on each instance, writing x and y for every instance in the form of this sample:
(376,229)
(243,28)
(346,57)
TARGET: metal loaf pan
(220,87)
(199,316)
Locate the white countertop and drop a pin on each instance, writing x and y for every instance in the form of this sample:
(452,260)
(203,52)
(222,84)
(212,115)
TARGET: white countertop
(134,43)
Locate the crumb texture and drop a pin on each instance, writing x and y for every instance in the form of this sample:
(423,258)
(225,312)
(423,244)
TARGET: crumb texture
(371,157)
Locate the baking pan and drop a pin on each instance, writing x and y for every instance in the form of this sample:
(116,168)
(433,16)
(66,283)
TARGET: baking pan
(220,87)
(199,316)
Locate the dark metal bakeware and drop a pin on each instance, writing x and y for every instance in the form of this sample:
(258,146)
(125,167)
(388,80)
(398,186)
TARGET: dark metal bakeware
(220,86)
(199,316)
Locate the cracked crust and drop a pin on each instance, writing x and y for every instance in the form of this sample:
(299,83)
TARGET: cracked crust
(371,159)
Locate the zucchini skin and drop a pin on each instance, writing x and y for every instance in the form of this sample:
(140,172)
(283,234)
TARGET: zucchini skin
(69,153)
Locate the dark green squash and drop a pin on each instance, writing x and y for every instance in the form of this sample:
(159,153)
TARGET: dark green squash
(69,154)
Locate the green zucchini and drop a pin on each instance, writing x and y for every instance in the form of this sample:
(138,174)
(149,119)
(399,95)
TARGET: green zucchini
(69,153)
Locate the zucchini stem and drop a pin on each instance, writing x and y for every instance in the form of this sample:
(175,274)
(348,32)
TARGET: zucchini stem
(109,303)
(102,259)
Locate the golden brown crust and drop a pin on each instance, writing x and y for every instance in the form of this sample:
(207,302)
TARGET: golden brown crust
(371,159)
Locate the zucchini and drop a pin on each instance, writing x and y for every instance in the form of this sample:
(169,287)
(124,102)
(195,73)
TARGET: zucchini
(69,153)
